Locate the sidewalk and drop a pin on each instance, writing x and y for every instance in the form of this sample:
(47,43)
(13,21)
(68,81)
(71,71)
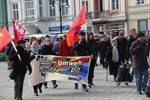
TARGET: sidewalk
(102,91)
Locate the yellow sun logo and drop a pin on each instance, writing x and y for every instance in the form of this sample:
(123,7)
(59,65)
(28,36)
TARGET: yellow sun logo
(1,34)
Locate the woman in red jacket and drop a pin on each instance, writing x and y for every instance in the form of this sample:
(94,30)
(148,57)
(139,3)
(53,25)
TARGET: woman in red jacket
(64,50)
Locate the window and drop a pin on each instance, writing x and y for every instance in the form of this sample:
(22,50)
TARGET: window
(114,4)
(142,25)
(15,11)
(86,4)
(140,2)
(51,8)
(29,5)
(64,8)
(40,8)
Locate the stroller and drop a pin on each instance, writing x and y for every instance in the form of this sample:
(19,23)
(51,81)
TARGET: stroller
(123,74)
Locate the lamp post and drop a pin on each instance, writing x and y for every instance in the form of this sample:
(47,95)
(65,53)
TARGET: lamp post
(60,4)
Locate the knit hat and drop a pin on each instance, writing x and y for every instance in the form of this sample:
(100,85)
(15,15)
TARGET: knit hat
(82,33)
(21,41)
(140,35)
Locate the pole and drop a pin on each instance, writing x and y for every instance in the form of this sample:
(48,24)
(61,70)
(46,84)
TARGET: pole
(60,4)
(15,49)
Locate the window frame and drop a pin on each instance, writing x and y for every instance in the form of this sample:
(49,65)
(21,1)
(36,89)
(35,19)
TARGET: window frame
(64,9)
(138,23)
(52,12)
(140,2)
(115,7)
(41,8)
(86,2)
(28,9)
(15,12)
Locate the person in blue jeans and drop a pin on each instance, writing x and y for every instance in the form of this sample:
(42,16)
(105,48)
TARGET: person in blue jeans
(138,51)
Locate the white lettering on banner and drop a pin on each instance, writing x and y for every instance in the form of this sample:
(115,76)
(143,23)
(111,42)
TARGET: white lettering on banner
(19,29)
(66,63)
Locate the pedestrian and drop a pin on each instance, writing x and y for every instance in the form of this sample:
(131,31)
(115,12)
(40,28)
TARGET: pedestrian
(81,48)
(64,50)
(28,45)
(41,40)
(94,51)
(122,43)
(138,51)
(35,50)
(47,49)
(130,40)
(103,45)
(20,67)
(114,57)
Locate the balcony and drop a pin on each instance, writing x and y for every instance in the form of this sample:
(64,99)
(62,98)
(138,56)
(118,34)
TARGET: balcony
(103,15)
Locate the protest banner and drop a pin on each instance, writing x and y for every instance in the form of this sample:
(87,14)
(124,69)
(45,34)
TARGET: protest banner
(48,67)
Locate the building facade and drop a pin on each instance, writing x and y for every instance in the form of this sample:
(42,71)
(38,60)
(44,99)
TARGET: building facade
(3,13)
(41,15)
(139,15)
(108,16)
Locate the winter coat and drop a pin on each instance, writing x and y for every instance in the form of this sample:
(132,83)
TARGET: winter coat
(93,47)
(81,49)
(22,65)
(130,40)
(64,50)
(110,61)
(47,50)
(122,43)
(138,53)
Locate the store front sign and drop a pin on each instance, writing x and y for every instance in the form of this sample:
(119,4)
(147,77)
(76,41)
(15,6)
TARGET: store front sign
(115,26)
(67,27)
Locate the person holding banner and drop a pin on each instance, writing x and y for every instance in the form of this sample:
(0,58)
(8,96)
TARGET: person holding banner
(94,51)
(35,50)
(81,48)
(20,66)
(47,49)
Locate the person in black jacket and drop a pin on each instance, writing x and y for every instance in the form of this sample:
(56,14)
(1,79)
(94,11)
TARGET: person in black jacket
(81,48)
(94,51)
(122,43)
(114,57)
(20,66)
(130,40)
(103,45)
(47,49)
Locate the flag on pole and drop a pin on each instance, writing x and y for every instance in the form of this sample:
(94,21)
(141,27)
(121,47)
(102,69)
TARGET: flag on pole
(19,31)
(72,35)
(4,37)
(54,39)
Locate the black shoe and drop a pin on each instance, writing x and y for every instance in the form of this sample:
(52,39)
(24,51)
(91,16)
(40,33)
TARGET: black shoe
(20,98)
(139,92)
(85,89)
(76,86)
(90,85)
(36,93)
(93,85)
(55,86)
(46,87)
(40,90)
(17,98)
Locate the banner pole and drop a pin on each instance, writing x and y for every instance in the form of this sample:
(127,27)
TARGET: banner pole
(15,49)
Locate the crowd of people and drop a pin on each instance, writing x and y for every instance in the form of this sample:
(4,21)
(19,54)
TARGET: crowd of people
(116,51)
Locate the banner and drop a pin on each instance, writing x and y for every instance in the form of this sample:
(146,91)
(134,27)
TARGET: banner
(48,67)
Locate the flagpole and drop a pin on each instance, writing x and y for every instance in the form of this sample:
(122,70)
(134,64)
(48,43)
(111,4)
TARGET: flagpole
(15,49)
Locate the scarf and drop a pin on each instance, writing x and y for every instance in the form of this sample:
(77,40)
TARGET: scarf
(35,50)
(115,54)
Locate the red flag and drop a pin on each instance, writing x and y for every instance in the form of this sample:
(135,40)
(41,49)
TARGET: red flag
(19,31)
(4,37)
(72,35)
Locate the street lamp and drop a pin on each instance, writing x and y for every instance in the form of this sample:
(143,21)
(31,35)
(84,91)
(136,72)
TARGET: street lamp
(60,4)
